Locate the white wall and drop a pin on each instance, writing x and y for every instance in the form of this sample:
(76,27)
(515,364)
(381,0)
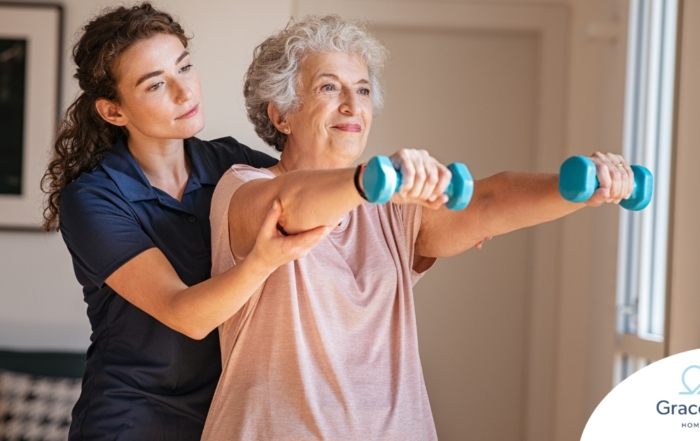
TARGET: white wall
(40,302)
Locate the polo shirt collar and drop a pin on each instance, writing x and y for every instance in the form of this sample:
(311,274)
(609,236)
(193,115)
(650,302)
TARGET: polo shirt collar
(199,171)
(121,166)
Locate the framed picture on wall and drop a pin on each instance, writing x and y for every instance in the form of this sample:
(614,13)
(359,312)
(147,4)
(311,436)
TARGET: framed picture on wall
(30,47)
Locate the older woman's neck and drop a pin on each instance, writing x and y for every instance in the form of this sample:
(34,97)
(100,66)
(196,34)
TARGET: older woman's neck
(290,161)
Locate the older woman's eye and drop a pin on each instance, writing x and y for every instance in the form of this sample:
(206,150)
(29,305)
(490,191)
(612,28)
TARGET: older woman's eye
(328,88)
(364,91)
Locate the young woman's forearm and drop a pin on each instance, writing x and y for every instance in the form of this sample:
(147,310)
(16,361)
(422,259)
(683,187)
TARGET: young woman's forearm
(199,309)
(150,282)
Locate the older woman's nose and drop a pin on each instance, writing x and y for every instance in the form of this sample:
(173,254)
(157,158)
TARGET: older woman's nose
(350,104)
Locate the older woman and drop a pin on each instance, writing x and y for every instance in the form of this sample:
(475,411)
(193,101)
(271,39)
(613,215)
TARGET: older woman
(327,348)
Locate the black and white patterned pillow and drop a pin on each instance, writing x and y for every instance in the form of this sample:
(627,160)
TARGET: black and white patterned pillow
(34,408)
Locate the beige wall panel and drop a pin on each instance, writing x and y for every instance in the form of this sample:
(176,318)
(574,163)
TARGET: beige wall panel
(468,97)
(684,326)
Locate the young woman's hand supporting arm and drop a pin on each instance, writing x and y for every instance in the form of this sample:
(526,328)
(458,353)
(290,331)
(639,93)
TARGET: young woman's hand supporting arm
(150,282)
(308,199)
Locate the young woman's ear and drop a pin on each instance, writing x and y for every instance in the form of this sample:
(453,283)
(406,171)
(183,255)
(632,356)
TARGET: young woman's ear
(278,120)
(110,112)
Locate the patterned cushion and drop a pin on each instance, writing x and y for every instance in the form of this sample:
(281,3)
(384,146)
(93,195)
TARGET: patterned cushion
(34,408)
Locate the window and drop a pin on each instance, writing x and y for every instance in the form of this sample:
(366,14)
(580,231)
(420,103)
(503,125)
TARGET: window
(641,283)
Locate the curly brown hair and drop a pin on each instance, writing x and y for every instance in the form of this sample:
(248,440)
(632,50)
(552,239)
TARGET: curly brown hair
(83,137)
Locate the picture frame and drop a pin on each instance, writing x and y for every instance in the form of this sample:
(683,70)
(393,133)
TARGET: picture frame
(31,41)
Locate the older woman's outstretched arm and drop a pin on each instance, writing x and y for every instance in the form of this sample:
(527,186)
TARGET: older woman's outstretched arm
(320,197)
(509,201)
(309,199)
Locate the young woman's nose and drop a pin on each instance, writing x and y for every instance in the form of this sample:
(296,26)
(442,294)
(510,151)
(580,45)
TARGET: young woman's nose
(182,92)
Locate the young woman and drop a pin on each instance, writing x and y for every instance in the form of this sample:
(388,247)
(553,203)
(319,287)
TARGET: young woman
(130,189)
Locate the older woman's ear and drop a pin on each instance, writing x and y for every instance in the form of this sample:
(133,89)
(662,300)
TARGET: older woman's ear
(277,119)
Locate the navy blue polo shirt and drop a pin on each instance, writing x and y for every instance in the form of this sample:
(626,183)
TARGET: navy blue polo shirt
(143,380)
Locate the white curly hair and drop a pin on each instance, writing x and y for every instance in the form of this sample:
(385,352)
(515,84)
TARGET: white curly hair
(273,75)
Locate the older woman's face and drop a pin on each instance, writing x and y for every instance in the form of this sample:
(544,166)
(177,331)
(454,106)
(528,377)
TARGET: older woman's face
(336,108)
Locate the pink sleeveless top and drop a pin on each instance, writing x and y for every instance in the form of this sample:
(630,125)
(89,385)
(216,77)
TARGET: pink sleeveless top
(327,348)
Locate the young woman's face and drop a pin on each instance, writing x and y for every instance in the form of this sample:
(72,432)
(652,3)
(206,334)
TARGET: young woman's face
(159,90)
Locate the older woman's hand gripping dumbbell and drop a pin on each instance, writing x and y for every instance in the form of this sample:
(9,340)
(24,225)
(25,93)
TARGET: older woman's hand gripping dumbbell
(381,180)
(578,182)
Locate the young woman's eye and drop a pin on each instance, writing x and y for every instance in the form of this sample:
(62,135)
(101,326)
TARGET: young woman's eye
(156,86)
(186,68)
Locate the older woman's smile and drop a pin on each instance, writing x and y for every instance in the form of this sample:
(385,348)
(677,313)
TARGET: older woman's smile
(348,127)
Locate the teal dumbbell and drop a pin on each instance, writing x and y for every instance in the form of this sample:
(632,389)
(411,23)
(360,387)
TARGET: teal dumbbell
(578,181)
(381,180)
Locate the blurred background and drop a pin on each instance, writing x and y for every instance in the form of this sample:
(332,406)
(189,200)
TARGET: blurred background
(521,340)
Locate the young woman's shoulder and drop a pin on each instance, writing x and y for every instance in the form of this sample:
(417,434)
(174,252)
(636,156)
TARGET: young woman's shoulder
(228,151)
(94,197)
(95,183)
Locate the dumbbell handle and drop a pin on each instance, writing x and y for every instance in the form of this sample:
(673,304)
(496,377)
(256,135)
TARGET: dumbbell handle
(578,181)
(381,180)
